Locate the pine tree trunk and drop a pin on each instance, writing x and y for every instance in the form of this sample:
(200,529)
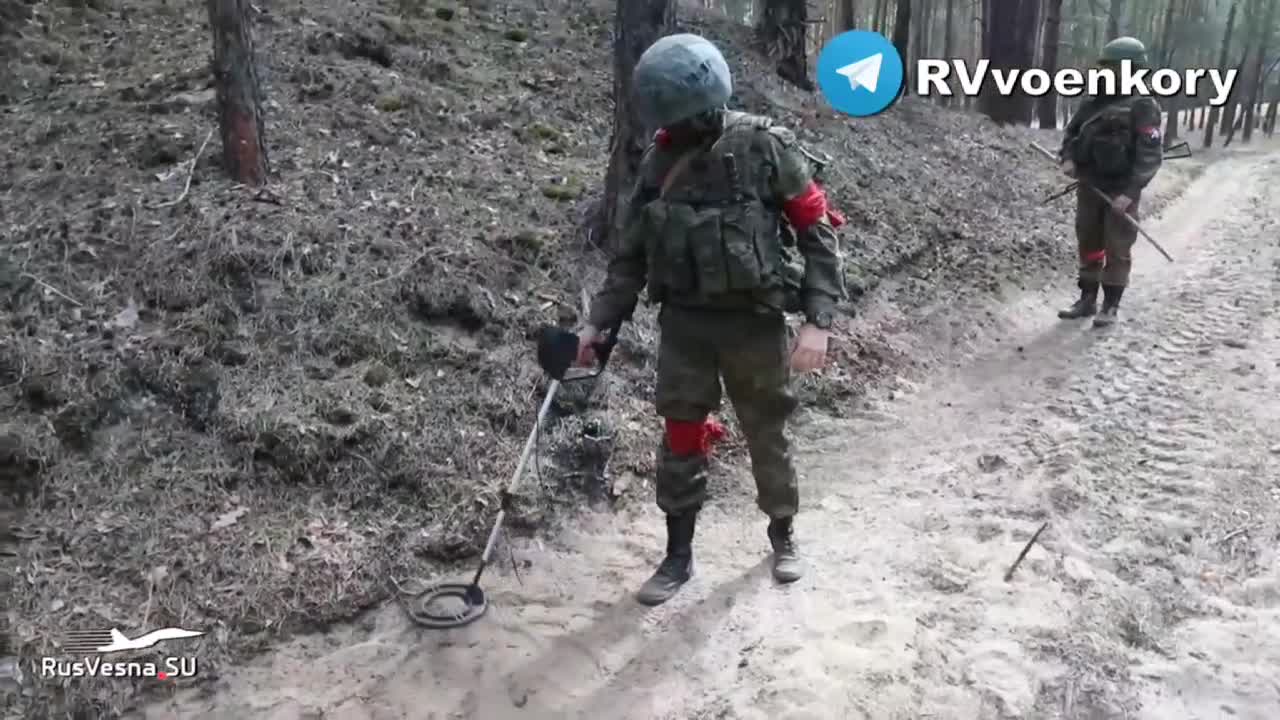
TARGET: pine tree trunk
(637,25)
(1222,63)
(848,16)
(949,31)
(1230,115)
(949,43)
(1010,34)
(902,33)
(925,33)
(784,32)
(1257,87)
(1048,104)
(235,72)
(1113,19)
(1168,51)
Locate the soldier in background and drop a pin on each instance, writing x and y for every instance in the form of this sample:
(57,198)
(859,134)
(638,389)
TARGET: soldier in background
(1112,143)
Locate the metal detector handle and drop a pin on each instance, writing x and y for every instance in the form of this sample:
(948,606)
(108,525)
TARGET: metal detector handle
(558,350)
(604,348)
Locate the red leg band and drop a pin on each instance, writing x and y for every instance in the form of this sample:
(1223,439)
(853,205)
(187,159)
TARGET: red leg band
(1094,257)
(693,438)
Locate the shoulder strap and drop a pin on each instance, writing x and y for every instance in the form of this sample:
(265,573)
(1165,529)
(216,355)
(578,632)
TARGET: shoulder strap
(677,168)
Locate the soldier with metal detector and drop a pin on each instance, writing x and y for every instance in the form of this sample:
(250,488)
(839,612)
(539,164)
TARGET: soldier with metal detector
(703,233)
(1112,145)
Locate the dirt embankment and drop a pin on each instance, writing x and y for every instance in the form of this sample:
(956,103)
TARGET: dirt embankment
(245,411)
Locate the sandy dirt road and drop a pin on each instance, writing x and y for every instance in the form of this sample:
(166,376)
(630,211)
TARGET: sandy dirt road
(1152,449)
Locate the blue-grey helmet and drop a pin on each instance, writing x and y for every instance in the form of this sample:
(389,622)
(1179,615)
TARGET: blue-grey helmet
(678,77)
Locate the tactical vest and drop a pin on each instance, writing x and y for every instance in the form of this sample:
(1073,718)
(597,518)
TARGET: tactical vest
(713,236)
(1105,149)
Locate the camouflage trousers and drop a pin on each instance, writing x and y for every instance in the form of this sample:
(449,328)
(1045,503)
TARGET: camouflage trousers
(750,352)
(1105,240)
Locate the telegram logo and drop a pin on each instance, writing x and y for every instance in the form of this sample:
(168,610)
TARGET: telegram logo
(860,73)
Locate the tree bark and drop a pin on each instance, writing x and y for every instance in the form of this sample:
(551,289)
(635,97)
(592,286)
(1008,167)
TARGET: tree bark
(784,32)
(924,17)
(1168,50)
(902,34)
(637,25)
(1048,104)
(949,32)
(1230,115)
(949,43)
(1010,34)
(846,16)
(1222,63)
(1113,19)
(235,72)
(1257,87)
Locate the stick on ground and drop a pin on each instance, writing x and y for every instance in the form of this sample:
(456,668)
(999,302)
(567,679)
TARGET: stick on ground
(52,289)
(190,172)
(1026,549)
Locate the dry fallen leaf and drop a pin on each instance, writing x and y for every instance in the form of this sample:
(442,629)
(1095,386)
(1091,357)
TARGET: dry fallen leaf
(128,317)
(158,574)
(229,518)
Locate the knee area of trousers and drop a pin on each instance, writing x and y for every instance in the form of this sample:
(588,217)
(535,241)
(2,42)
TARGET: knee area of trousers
(693,437)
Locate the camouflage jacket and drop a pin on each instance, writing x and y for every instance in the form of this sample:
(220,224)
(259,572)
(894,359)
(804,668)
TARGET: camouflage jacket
(1115,142)
(705,228)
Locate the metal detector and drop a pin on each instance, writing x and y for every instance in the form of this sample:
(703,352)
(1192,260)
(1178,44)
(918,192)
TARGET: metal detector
(557,349)
(1181,151)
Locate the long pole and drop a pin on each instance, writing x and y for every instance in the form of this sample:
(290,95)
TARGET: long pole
(1131,220)
(515,477)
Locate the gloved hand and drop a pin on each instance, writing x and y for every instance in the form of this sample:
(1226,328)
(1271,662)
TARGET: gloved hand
(1069,168)
(587,339)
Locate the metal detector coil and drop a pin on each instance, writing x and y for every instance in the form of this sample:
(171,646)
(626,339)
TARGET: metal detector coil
(557,350)
(423,607)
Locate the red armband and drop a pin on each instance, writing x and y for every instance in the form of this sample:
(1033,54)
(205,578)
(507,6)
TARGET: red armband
(662,138)
(806,208)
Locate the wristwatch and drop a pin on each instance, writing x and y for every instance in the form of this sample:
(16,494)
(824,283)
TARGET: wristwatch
(821,320)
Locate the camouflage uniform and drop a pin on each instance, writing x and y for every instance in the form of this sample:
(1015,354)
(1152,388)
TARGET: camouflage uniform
(1115,144)
(703,233)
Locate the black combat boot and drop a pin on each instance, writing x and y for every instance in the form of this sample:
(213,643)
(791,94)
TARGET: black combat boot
(1110,305)
(786,560)
(1084,307)
(677,566)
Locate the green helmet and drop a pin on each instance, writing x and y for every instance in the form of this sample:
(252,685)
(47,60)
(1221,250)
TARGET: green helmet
(1124,48)
(678,77)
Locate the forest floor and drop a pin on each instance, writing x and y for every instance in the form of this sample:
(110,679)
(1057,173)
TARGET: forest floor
(250,413)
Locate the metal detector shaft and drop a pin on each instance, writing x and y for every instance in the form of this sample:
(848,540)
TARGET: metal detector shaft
(1131,220)
(515,477)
